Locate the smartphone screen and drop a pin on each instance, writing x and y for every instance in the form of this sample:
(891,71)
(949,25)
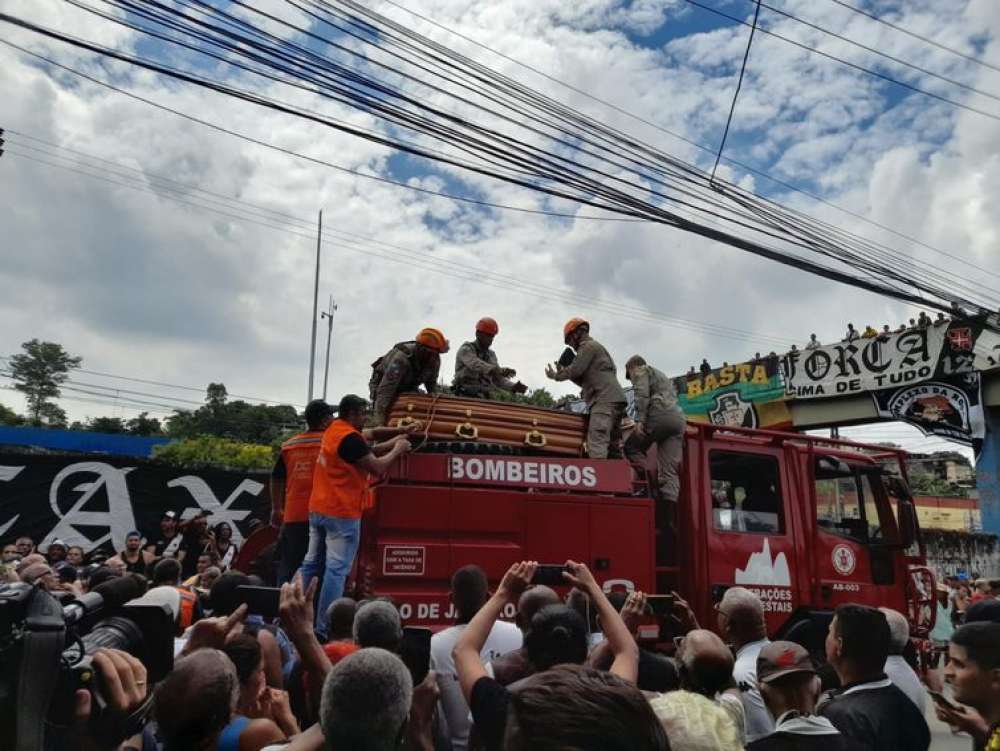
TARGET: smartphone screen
(415,652)
(660,604)
(941,699)
(262,601)
(549,574)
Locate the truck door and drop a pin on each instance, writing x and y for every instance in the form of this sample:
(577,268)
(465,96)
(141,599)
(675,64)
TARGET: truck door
(857,549)
(750,534)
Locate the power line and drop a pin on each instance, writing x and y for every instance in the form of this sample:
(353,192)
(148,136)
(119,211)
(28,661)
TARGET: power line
(849,64)
(451,268)
(915,35)
(736,94)
(574,179)
(742,165)
(314,160)
(880,53)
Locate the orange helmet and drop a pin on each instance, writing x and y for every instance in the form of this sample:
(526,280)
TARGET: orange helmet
(572,325)
(488,326)
(433,339)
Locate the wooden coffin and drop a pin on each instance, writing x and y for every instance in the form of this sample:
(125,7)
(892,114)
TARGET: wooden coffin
(533,430)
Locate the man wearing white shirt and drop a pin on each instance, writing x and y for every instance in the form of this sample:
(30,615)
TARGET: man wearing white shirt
(741,623)
(469,592)
(897,669)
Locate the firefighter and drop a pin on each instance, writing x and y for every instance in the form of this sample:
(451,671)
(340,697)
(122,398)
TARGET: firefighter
(477,372)
(594,372)
(660,420)
(404,368)
(291,485)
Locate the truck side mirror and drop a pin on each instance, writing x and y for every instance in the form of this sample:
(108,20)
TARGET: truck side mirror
(907,522)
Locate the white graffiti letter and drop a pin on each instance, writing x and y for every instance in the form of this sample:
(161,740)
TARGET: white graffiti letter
(6,475)
(118,518)
(220,512)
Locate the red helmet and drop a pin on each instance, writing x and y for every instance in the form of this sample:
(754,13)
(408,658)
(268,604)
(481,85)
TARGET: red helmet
(488,326)
(572,325)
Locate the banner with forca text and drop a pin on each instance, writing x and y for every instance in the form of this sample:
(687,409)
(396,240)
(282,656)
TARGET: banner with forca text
(94,501)
(887,362)
(748,395)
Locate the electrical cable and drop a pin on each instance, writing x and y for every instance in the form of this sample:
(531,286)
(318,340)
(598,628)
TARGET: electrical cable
(849,64)
(736,94)
(873,264)
(708,149)
(915,35)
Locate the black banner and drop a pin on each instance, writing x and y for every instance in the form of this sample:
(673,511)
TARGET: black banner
(94,501)
(948,407)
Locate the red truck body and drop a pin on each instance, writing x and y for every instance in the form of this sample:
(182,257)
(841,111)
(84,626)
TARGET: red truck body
(806,523)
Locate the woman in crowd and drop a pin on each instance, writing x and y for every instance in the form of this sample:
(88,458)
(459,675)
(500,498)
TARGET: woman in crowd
(262,713)
(225,548)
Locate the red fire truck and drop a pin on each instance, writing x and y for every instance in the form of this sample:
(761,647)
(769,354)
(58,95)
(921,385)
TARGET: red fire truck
(806,523)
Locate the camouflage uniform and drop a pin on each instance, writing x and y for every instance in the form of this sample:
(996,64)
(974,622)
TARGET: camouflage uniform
(594,372)
(663,423)
(477,372)
(398,371)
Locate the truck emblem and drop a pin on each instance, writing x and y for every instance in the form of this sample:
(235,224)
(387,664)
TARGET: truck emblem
(762,570)
(732,409)
(844,560)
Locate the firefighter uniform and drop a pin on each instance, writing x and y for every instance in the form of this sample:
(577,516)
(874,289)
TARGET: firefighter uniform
(295,467)
(663,423)
(402,369)
(478,372)
(594,372)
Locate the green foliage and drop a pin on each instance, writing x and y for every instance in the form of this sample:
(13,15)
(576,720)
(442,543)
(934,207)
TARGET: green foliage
(106,425)
(536,398)
(212,451)
(238,420)
(925,483)
(9,416)
(144,425)
(38,373)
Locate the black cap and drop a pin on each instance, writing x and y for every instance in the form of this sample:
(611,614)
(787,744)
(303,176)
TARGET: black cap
(983,611)
(316,411)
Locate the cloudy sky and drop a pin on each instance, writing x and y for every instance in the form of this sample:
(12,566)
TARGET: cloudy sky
(209,277)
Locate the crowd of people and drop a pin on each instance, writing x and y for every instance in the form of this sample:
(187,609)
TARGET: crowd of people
(572,671)
(203,553)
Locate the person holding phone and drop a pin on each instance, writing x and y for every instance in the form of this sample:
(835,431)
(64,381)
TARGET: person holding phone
(488,699)
(340,495)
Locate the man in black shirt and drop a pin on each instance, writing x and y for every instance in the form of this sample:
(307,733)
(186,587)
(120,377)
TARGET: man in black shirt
(197,538)
(168,546)
(868,708)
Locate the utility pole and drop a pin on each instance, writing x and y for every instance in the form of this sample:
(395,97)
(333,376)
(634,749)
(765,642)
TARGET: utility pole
(329,335)
(312,341)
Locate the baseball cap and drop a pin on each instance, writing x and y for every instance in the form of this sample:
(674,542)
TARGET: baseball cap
(352,403)
(317,410)
(56,542)
(781,658)
(983,611)
(169,514)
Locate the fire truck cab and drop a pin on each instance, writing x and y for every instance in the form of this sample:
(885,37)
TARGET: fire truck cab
(806,523)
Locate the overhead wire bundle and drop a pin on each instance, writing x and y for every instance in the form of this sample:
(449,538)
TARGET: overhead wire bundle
(435,104)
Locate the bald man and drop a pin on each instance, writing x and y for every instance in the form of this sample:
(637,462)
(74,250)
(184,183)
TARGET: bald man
(741,623)
(514,666)
(706,668)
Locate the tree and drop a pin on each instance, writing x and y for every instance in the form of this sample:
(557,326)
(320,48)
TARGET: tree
(144,425)
(38,373)
(106,425)
(238,420)
(537,398)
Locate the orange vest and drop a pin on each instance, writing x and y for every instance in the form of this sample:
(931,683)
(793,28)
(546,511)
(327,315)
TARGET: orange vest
(339,489)
(299,454)
(185,616)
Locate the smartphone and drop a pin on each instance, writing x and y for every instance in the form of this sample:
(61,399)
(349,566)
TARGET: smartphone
(661,605)
(262,601)
(549,574)
(943,700)
(415,652)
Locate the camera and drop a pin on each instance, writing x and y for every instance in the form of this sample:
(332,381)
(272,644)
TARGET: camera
(46,649)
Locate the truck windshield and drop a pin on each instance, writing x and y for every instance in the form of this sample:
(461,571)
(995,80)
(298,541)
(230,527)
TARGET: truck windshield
(845,501)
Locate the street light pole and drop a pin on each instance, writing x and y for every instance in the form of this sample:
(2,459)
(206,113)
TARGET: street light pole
(329,335)
(312,341)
